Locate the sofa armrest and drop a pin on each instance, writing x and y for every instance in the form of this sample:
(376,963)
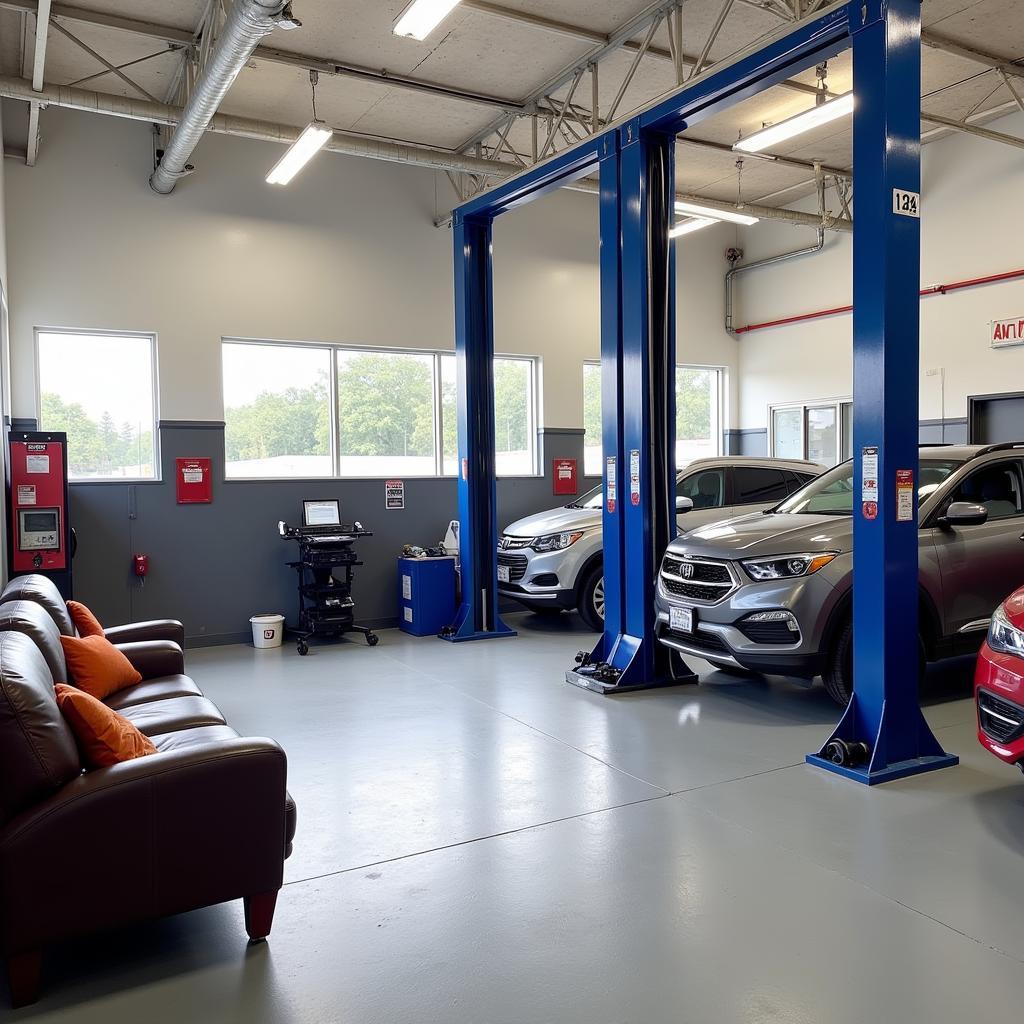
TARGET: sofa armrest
(157,835)
(154,658)
(155,629)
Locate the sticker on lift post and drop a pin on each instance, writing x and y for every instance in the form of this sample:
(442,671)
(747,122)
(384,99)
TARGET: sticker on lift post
(634,476)
(869,482)
(609,477)
(904,495)
(906,204)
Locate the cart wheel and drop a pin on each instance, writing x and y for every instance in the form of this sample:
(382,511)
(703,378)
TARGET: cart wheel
(303,648)
(372,639)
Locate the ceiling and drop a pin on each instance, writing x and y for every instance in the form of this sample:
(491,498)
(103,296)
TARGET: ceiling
(502,66)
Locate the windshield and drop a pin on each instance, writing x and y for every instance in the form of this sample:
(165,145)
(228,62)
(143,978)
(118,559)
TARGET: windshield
(592,499)
(831,494)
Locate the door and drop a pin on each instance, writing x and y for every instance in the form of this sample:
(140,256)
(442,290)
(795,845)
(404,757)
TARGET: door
(981,565)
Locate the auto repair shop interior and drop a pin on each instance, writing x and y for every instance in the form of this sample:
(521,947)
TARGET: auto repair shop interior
(514,511)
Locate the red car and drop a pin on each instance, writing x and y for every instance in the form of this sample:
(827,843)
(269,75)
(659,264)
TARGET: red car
(999,683)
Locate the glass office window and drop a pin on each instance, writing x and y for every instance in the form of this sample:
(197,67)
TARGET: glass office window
(592,465)
(822,433)
(515,415)
(787,433)
(109,417)
(386,421)
(277,410)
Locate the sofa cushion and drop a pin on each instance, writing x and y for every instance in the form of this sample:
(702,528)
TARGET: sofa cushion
(104,737)
(84,621)
(31,618)
(44,592)
(173,714)
(203,736)
(153,689)
(97,666)
(37,749)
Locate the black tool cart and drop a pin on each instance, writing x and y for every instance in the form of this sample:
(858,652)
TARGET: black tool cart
(326,608)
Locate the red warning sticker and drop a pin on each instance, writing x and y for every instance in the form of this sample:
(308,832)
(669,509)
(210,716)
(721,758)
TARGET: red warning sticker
(904,495)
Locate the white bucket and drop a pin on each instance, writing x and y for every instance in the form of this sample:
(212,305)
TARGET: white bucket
(267,630)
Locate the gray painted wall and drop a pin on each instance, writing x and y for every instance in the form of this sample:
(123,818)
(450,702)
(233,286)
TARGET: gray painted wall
(215,565)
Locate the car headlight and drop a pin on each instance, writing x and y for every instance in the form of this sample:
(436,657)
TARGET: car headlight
(1004,636)
(556,541)
(786,567)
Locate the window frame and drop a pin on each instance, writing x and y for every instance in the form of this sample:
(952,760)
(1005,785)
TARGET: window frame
(436,355)
(844,428)
(717,428)
(152,338)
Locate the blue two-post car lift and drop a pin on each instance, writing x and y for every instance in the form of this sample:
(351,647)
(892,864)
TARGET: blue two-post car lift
(635,164)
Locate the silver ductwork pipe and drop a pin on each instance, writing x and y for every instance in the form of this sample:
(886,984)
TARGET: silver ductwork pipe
(247,23)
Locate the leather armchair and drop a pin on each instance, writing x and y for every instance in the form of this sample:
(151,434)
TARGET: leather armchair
(42,590)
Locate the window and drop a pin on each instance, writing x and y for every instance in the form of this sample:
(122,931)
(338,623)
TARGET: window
(515,415)
(705,489)
(754,485)
(109,417)
(592,419)
(277,410)
(301,410)
(997,487)
(819,431)
(698,415)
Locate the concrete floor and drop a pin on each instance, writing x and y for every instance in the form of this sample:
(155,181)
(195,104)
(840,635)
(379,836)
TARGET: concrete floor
(480,842)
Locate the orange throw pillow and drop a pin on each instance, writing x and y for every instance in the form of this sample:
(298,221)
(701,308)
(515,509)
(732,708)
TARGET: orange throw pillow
(104,737)
(97,666)
(85,622)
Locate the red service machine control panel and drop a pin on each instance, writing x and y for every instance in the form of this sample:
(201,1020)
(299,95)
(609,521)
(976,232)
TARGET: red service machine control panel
(39,534)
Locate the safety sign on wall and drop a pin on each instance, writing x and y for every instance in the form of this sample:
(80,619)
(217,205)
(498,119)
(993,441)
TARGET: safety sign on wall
(904,495)
(609,484)
(634,476)
(1007,333)
(869,482)
(194,478)
(394,494)
(563,476)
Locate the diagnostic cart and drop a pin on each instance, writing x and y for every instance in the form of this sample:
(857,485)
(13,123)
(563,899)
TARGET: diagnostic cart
(326,607)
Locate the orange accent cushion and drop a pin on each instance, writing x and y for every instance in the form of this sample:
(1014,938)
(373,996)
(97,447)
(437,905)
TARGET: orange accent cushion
(104,737)
(85,622)
(97,666)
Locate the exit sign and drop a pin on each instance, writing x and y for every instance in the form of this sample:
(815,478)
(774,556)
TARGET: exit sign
(1005,333)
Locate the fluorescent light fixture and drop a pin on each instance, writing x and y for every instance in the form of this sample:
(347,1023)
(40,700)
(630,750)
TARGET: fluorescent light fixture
(421,17)
(797,125)
(696,210)
(684,227)
(313,138)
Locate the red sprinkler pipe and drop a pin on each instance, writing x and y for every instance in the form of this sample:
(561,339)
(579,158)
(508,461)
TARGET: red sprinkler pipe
(934,289)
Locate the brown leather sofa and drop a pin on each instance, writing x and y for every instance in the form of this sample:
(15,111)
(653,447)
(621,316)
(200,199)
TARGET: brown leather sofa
(204,820)
(43,590)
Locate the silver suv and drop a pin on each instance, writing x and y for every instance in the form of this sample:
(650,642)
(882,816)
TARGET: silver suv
(772,592)
(554,560)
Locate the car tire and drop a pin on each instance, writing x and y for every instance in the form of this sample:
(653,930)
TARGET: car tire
(838,674)
(591,602)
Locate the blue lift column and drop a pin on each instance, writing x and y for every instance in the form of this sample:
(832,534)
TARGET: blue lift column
(883,734)
(637,409)
(477,616)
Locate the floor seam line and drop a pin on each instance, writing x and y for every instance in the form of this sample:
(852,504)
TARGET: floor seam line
(480,839)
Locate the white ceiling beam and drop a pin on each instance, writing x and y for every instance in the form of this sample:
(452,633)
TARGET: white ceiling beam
(38,64)
(955,49)
(972,129)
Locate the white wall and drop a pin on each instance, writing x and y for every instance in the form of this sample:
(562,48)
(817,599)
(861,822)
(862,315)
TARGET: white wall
(972,225)
(348,254)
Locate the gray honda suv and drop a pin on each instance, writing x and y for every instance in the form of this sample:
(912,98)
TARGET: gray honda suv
(772,592)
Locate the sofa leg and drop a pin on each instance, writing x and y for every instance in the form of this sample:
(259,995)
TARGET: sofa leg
(23,973)
(259,915)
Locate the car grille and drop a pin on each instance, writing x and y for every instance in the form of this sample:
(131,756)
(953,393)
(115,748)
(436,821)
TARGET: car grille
(698,579)
(769,632)
(700,640)
(1000,719)
(516,565)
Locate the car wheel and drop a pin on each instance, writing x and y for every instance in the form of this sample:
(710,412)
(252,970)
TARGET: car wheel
(591,605)
(838,674)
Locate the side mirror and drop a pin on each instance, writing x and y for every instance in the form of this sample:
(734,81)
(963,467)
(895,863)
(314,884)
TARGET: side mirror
(964,513)
(683,504)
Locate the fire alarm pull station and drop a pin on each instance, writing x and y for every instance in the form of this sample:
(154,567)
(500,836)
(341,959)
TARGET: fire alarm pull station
(140,564)
(39,535)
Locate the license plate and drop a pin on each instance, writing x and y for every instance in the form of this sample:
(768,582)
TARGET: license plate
(503,576)
(681,619)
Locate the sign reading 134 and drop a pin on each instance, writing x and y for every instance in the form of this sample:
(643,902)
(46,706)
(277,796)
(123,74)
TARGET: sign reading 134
(906,204)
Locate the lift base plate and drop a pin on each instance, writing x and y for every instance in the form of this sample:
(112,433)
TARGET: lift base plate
(897,770)
(589,682)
